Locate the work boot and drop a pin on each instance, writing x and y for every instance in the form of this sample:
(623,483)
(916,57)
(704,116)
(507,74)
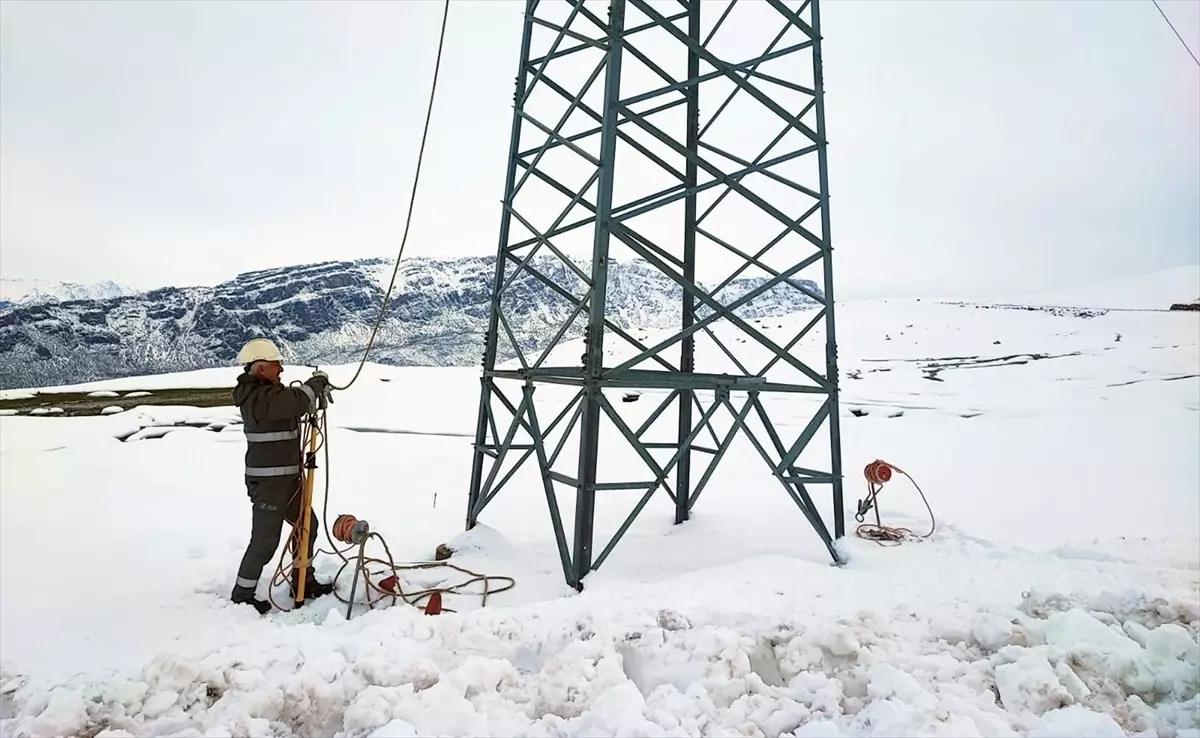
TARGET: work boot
(245,596)
(312,588)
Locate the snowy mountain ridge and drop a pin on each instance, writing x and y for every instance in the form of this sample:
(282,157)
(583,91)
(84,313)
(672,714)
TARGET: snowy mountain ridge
(323,313)
(25,292)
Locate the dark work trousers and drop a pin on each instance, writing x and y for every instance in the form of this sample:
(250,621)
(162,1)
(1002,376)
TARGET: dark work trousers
(274,501)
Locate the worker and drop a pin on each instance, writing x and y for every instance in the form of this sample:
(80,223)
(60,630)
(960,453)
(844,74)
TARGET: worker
(271,415)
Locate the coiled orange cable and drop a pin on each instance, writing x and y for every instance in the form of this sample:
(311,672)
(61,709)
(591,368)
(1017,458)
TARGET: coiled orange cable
(878,473)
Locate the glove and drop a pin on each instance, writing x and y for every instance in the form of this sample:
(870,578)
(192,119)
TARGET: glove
(318,382)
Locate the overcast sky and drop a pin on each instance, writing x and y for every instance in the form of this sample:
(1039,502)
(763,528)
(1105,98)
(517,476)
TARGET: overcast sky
(975,147)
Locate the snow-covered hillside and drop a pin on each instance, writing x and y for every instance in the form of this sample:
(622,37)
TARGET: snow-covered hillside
(1155,291)
(323,313)
(1058,596)
(25,292)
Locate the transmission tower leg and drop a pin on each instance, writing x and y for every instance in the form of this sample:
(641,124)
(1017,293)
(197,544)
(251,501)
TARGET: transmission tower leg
(489,351)
(589,442)
(687,359)
(831,364)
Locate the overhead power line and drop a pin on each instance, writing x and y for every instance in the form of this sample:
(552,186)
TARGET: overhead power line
(412,200)
(1172,25)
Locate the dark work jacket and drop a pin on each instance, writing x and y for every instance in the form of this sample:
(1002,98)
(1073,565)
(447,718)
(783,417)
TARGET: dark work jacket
(271,415)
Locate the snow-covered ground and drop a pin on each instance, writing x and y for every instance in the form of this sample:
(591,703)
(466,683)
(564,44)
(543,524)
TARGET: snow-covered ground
(1060,595)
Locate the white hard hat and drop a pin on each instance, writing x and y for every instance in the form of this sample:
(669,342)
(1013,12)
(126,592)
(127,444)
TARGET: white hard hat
(258,349)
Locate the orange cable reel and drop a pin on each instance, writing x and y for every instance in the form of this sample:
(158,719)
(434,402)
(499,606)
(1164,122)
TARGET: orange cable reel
(877,474)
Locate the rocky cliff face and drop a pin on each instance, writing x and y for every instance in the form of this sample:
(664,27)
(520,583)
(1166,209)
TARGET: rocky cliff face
(323,313)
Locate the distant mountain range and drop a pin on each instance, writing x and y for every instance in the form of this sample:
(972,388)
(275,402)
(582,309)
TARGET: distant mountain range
(25,292)
(322,313)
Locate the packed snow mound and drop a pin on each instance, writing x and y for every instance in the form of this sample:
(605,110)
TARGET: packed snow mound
(618,671)
(1154,291)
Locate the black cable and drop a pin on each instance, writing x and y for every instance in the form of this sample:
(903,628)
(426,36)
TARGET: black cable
(411,202)
(1172,25)
(325,506)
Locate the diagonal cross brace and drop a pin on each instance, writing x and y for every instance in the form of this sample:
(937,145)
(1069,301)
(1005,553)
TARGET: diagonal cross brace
(560,536)
(580,47)
(587,110)
(763,251)
(598,129)
(802,500)
(523,97)
(720,310)
(543,241)
(575,200)
(722,70)
(795,340)
(518,414)
(556,133)
(766,150)
(762,204)
(739,422)
(486,492)
(766,172)
(770,47)
(554,286)
(588,205)
(565,31)
(795,18)
(719,178)
(512,339)
(659,472)
(819,298)
(730,71)
(810,430)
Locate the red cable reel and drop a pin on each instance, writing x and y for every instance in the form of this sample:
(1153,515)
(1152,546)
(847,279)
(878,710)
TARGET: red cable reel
(878,473)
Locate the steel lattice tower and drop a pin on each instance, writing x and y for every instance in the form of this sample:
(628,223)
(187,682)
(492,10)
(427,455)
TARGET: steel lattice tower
(610,155)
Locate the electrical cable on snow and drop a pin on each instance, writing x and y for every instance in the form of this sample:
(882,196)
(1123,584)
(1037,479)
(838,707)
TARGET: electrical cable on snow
(343,528)
(411,202)
(382,566)
(877,473)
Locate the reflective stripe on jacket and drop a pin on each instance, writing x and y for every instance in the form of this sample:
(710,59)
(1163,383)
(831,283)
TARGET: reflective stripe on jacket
(271,421)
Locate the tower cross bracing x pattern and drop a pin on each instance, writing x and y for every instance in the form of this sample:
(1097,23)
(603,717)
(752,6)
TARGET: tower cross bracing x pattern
(689,136)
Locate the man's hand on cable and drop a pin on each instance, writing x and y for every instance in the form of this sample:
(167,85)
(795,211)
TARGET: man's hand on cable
(318,382)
